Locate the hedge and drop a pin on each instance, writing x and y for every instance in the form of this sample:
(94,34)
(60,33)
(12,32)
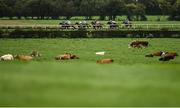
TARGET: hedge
(41,33)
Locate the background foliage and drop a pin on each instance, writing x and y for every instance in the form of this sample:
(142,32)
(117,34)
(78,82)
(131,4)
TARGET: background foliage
(46,9)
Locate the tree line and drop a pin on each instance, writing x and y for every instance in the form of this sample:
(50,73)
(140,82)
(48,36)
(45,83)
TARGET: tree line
(53,9)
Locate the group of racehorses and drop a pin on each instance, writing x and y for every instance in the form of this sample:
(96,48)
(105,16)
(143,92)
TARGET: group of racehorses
(94,24)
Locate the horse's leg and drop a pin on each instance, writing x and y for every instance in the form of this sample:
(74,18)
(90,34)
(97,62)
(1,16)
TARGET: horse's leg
(94,27)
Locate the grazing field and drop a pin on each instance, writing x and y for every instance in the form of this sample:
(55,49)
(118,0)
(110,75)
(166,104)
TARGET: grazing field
(132,80)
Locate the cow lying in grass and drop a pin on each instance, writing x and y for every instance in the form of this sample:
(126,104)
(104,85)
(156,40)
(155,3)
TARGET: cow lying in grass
(23,57)
(7,57)
(172,53)
(103,61)
(165,56)
(34,54)
(138,44)
(168,56)
(159,53)
(66,56)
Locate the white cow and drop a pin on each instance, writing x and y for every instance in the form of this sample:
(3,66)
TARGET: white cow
(7,57)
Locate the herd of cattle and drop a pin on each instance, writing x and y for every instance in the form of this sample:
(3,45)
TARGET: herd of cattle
(164,56)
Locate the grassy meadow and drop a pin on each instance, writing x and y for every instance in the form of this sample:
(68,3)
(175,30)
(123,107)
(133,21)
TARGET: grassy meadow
(132,80)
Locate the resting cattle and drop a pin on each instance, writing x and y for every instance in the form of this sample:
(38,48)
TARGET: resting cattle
(66,56)
(24,57)
(167,57)
(74,57)
(159,53)
(138,44)
(35,54)
(7,57)
(102,61)
(171,53)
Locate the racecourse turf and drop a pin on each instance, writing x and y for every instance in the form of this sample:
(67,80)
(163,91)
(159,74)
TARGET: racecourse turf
(56,22)
(132,80)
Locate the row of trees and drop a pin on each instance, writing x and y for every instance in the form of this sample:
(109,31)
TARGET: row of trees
(134,9)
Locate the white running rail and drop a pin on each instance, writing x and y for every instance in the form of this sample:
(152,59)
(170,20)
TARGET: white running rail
(121,26)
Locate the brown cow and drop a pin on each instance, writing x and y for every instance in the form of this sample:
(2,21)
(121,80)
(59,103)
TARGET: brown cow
(167,57)
(159,53)
(74,57)
(24,57)
(66,56)
(138,44)
(63,57)
(102,61)
(172,53)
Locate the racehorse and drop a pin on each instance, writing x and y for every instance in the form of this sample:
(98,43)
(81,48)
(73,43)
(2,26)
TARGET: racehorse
(96,25)
(113,25)
(127,23)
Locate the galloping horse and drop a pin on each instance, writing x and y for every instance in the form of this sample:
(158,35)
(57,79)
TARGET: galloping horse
(67,25)
(127,24)
(96,25)
(113,25)
(83,24)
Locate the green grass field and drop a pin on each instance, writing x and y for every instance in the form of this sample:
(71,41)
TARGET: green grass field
(151,24)
(132,80)
(56,22)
